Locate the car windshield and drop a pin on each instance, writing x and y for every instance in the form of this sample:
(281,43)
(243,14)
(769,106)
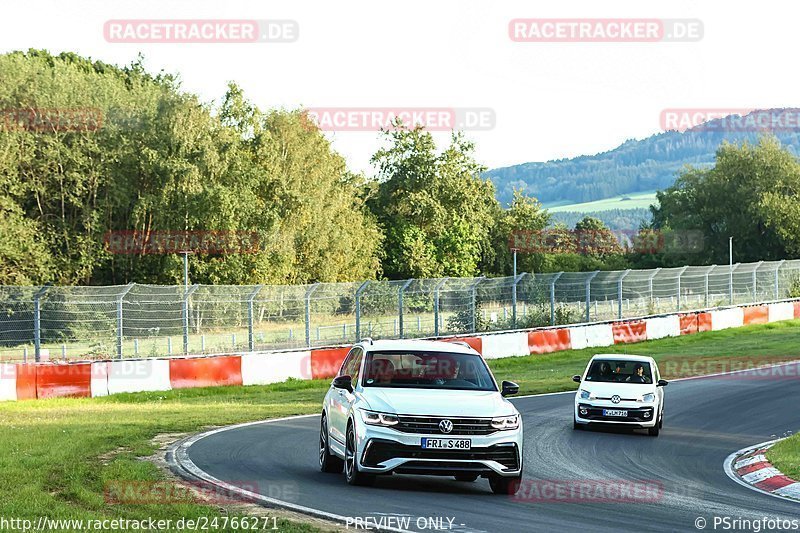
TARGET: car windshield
(615,371)
(427,370)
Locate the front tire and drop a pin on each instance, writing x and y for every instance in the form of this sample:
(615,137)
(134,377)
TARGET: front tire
(575,424)
(351,473)
(327,461)
(505,485)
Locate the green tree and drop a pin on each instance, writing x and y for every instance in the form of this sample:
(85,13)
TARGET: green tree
(436,211)
(522,224)
(746,195)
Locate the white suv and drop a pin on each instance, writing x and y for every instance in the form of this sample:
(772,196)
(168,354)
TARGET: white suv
(420,407)
(623,390)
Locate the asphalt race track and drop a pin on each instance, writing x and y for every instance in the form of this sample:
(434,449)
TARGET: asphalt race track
(705,420)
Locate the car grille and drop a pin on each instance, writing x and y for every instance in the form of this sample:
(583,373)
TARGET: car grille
(379,451)
(429,425)
(636,414)
(621,399)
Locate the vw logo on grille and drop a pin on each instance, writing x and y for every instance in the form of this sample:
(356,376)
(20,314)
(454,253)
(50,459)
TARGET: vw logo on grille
(615,399)
(446,426)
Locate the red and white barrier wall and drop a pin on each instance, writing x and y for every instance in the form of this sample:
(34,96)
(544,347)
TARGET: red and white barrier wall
(20,381)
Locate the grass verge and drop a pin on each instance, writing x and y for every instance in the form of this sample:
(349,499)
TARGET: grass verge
(58,456)
(785,456)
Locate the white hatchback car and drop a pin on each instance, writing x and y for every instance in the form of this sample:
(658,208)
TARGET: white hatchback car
(420,407)
(623,390)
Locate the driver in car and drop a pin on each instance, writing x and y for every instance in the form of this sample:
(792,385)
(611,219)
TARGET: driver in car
(638,375)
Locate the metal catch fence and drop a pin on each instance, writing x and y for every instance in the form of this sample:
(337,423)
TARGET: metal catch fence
(135,320)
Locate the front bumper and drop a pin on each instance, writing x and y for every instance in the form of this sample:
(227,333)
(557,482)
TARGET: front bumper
(384,450)
(638,415)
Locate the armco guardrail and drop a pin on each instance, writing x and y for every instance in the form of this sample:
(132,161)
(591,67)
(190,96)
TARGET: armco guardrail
(20,381)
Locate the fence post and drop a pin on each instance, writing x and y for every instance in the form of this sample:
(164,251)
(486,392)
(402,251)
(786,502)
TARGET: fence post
(251,343)
(553,299)
(619,292)
(755,280)
(589,293)
(186,295)
(37,322)
(650,282)
(730,282)
(777,282)
(400,292)
(309,291)
(679,286)
(514,299)
(128,287)
(474,301)
(436,306)
(710,269)
(359,291)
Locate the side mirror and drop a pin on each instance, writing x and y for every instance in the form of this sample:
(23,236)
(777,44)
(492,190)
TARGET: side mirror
(343,382)
(509,388)
(662,383)
(576,379)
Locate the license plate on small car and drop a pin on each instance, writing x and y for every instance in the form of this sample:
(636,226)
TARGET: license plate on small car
(614,412)
(446,444)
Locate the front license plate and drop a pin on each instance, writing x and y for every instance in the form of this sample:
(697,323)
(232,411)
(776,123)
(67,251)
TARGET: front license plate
(614,412)
(446,444)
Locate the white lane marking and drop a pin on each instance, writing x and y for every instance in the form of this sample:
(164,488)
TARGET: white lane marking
(749,461)
(727,465)
(761,474)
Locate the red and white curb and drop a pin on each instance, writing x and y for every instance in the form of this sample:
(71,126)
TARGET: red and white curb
(750,468)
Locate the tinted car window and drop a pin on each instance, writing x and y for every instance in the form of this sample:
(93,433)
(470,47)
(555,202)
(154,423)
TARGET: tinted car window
(614,371)
(429,370)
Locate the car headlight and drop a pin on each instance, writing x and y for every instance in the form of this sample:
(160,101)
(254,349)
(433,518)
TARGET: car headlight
(585,395)
(506,422)
(649,397)
(375,418)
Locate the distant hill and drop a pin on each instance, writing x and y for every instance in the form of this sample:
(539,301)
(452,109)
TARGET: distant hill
(636,165)
(615,219)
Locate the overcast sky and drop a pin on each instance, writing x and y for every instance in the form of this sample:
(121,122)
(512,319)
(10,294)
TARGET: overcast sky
(550,100)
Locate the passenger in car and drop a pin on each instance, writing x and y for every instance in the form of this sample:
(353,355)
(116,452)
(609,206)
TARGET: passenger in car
(638,375)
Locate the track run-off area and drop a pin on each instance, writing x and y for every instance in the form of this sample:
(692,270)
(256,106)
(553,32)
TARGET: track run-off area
(706,419)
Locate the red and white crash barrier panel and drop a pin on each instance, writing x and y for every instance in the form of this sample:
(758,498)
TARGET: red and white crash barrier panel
(505,345)
(20,381)
(780,311)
